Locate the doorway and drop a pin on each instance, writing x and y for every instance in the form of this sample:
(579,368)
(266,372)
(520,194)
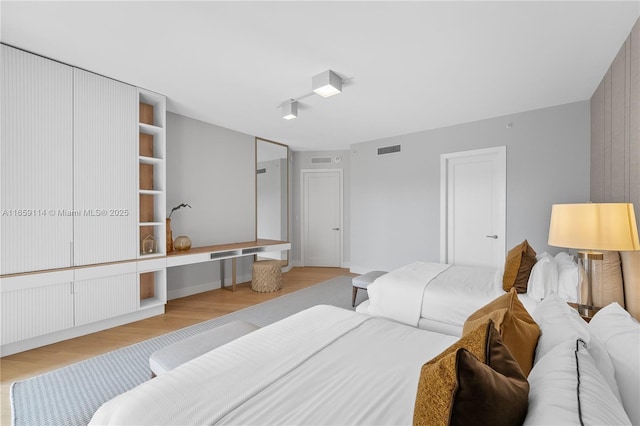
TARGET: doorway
(321,235)
(473,207)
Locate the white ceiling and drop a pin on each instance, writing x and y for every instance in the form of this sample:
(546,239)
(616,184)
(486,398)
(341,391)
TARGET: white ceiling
(414,65)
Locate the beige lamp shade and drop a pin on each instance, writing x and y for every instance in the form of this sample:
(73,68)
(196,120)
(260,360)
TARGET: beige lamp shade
(594,226)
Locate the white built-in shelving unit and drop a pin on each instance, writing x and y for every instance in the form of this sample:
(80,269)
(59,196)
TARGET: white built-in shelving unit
(83,183)
(152,275)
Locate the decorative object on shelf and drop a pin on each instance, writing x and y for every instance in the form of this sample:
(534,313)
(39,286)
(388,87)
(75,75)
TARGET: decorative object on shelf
(169,237)
(182,243)
(149,244)
(178,207)
(169,232)
(591,228)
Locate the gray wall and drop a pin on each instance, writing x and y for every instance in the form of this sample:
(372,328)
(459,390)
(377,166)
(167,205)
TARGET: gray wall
(395,198)
(212,169)
(302,161)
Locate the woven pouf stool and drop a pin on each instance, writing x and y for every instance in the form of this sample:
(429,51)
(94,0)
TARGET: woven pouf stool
(267,276)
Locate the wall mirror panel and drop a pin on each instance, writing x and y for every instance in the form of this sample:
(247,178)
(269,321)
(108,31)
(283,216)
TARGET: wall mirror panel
(272,195)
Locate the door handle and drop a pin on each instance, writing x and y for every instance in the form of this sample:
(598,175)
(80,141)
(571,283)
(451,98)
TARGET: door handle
(495,237)
(335,229)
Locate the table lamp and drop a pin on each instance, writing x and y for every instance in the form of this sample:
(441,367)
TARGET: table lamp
(592,228)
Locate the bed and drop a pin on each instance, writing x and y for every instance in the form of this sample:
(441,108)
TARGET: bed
(330,366)
(434,296)
(439,297)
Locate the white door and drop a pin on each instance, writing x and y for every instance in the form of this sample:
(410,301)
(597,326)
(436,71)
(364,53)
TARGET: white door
(473,215)
(322,218)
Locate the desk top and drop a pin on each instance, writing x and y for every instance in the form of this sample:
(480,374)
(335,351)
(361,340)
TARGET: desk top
(227,247)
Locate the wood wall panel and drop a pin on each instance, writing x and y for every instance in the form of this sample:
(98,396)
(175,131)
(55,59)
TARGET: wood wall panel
(36,174)
(597,145)
(619,175)
(615,128)
(634,119)
(607,136)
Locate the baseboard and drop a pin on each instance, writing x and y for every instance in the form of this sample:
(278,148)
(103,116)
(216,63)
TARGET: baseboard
(357,269)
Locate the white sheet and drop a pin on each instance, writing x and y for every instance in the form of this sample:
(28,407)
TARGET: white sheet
(398,295)
(325,365)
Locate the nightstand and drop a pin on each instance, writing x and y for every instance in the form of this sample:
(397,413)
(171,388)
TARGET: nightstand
(586,312)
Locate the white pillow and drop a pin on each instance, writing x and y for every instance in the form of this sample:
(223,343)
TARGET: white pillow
(598,352)
(543,279)
(569,277)
(553,396)
(620,333)
(558,323)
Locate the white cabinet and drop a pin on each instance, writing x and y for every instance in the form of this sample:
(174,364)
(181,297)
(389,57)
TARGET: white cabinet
(104,292)
(36,155)
(36,304)
(105,169)
(69,166)
(43,308)
(79,155)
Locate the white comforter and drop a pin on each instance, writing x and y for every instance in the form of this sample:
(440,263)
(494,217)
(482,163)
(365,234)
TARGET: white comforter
(435,291)
(398,294)
(325,365)
(435,296)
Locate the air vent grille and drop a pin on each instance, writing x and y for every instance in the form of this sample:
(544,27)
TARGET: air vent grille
(320,160)
(388,149)
(260,171)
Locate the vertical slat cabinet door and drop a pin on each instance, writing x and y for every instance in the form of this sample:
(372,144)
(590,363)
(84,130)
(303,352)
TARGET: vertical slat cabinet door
(36,311)
(36,166)
(105,169)
(105,297)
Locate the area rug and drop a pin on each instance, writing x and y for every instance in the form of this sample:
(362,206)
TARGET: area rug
(70,395)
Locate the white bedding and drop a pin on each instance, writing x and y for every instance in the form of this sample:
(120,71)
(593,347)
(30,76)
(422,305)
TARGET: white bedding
(446,299)
(398,295)
(325,365)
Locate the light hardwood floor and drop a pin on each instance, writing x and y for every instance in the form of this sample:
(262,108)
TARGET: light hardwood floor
(179,313)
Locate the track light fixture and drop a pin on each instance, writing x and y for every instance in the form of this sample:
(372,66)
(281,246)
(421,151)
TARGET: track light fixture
(326,84)
(290,110)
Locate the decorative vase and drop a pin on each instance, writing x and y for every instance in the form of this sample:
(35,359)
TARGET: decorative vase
(169,237)
(182,243)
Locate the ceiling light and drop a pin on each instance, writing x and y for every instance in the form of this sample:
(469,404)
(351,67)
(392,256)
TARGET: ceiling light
(327,84)
(290,110)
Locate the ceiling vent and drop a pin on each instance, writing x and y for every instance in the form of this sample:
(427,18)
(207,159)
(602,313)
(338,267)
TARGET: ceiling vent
(320,160)
(260,171)
(388,149)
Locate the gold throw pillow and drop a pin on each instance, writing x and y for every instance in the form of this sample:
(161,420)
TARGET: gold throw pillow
(518,330)
(517,267)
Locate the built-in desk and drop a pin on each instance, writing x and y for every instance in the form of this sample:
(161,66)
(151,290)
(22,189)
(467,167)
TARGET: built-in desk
(225,251)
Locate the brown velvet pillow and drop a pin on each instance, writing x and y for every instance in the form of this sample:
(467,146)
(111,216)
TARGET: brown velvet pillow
(460,388)
(518,330)
(517,267)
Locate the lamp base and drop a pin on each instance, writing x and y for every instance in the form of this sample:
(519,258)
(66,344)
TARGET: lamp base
(586,311)
(587,258)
